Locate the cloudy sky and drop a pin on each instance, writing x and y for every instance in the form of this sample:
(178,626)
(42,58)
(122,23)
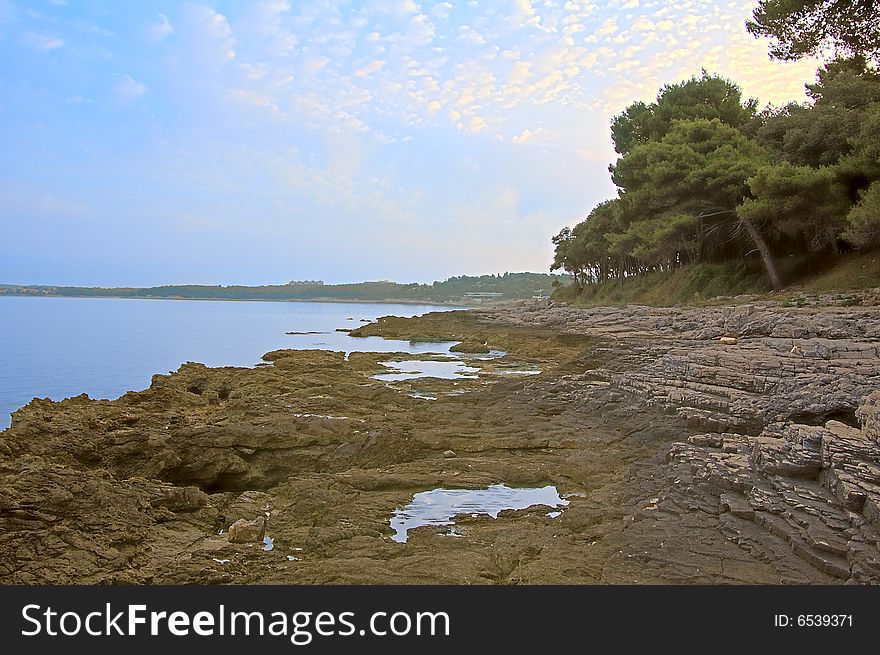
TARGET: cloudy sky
(256,142)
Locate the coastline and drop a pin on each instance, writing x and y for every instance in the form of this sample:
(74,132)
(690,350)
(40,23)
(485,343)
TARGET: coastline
(438,303)
(686,458)
(132,341)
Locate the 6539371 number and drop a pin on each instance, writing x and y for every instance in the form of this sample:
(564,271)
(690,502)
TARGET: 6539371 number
(813,620)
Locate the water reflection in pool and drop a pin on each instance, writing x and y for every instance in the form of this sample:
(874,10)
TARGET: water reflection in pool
(440,506)
(414,369)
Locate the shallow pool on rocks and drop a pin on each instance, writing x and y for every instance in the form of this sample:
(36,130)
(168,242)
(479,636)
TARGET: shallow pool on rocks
(418,368)
(440,506)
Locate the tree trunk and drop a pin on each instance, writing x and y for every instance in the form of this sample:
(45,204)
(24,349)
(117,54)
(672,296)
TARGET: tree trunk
(832,240)
(764,249)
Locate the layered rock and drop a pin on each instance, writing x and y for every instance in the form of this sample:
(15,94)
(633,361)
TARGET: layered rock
(812,364)
(780,391)
(816,488)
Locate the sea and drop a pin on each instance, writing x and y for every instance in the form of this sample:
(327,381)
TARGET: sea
(55,348)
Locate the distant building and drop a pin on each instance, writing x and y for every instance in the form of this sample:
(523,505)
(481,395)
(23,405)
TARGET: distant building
(479,296)
(541,294)
(306,283)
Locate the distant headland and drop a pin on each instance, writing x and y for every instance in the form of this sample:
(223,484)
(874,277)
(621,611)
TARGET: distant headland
(459,290)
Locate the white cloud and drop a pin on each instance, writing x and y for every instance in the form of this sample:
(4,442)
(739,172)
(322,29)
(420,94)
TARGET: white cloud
(127,89)
(474,125)
(643,24)
(420,30)
(524,14)
(442,10)
(253,98)
(207,36)
(519,73)
(523,137)
(216,23)
(370,68)
(269,25)
(608,27)
(313,65)
(467,33)
(408,6)
(43,42)
(528,135)
(160,29)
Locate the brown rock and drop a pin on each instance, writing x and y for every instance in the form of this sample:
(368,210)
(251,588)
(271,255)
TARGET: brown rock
(245,532)
(475,347)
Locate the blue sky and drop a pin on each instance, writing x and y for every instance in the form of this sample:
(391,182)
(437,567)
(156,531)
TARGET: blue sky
(257,142)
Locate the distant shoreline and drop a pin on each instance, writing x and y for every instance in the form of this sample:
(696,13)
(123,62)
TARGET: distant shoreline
(437,303)
(459,291)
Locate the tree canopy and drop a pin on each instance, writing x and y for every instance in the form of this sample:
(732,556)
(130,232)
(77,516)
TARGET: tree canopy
(703,177)
(802,28)
(707,96)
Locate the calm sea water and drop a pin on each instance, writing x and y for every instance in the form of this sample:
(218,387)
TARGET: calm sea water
(61,347)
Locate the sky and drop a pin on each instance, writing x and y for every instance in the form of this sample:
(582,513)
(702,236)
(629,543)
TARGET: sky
(258,142)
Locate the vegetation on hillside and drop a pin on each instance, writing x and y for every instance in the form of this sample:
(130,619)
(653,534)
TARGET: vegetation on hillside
(702,283)
(706,179)
(511,285)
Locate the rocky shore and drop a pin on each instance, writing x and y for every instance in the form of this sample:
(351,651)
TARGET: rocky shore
(724,444)
(788,403)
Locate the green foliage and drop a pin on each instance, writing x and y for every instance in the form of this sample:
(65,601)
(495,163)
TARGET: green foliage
(585,250)
(817,136)
(709,283)
(661,241)
(705,97)
(632,126)
(847,82)
(678,200)
(863,222)
(698,166)
(800,206)
(824,132)
(696,283)
(802,28)
(862,166)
